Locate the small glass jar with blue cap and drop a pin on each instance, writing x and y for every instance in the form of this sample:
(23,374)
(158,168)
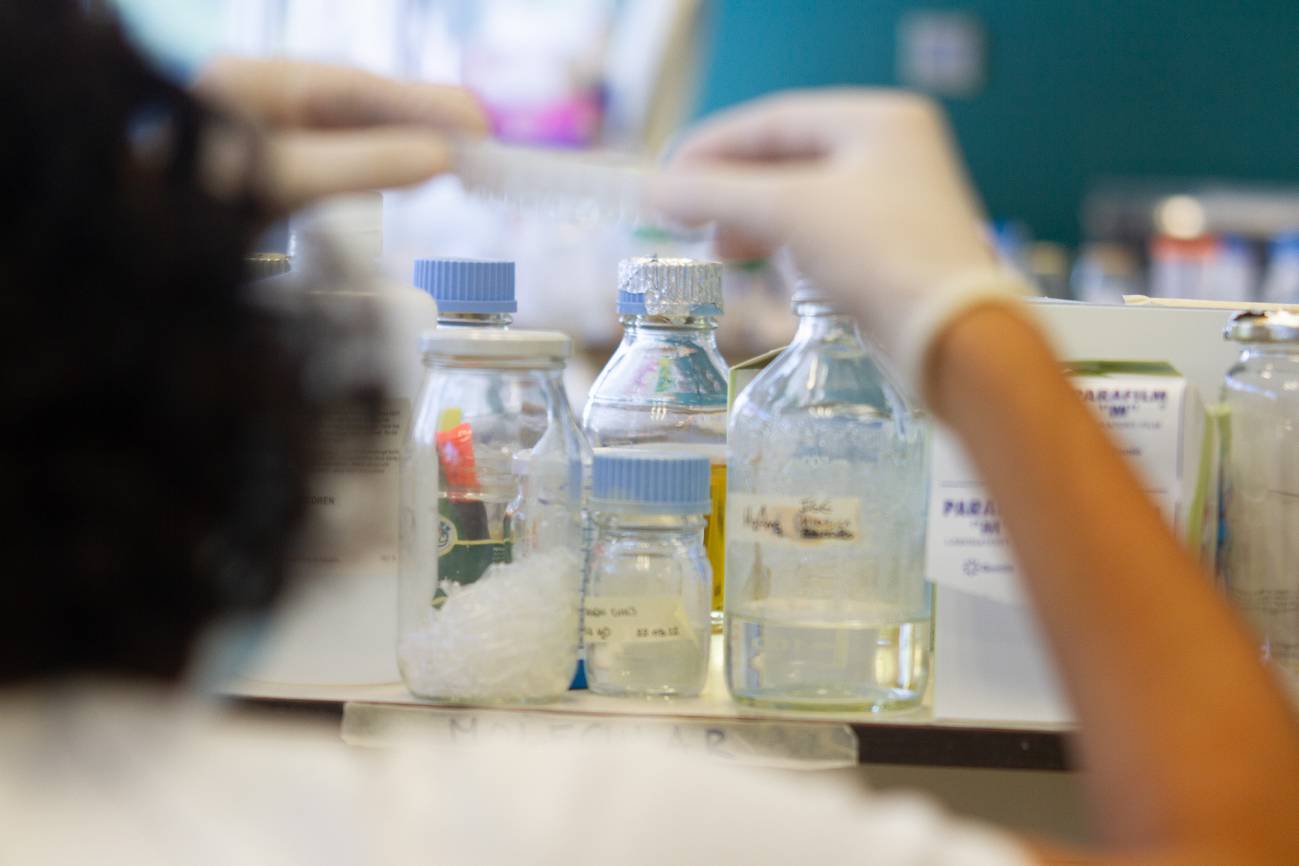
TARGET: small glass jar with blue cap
(646,610)
(470,293)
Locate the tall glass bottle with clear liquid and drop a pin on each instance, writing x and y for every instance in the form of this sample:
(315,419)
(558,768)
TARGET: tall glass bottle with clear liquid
(666,383)
(826,601)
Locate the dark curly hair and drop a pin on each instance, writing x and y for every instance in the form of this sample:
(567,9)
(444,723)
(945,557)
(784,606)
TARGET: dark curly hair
(155,433)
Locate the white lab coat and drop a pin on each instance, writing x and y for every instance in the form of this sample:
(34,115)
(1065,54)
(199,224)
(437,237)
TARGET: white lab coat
(132,776)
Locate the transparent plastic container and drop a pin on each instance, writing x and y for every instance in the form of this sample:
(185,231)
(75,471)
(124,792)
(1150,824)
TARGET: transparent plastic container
(647,622)
(470,293)
(667,383)
(827,606)
(487,615)
(340,625)
(1260,477)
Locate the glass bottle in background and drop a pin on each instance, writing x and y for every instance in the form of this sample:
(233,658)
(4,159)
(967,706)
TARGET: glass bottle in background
(827,606)
(1260,478)
(1105,272)
(470,293)
(1234,273)
(666,382)
(648,600)
(1183,268)
(1281,285)
(485,616)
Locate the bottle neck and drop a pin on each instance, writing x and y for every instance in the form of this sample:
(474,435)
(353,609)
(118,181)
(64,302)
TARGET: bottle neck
(623,523)
(474,320)
(1277,352)
(551,369)
(698,329)
(820,321)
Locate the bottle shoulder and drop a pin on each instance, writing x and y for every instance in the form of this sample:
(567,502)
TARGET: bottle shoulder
(663,371)
(828,379)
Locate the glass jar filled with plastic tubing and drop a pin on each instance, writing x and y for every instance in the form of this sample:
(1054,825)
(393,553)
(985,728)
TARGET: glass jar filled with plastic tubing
(646,612)
(827,606)
(489,606)
(1260,476)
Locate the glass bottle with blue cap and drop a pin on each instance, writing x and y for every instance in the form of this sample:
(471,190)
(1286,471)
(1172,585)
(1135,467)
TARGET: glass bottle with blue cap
(646,611)
(667,382)
(470,293)
(490,603)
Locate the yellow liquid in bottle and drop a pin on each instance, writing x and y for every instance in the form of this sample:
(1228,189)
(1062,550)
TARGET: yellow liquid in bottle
(715,522)
(715,537)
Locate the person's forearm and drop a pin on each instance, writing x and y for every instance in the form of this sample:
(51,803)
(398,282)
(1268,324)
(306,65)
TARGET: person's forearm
(1185,736)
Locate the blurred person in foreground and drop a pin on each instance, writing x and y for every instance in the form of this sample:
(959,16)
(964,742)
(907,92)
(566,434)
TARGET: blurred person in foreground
(157,434)
(156,437)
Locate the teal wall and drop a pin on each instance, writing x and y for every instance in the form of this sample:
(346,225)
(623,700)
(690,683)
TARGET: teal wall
(1075,89)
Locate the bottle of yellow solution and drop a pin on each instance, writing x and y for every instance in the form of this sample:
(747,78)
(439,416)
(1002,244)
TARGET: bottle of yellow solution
(666,383)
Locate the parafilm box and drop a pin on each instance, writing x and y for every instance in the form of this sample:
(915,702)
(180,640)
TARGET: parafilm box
(1158,421)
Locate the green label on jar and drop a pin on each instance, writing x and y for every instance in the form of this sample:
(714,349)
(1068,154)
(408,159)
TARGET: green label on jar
(465,546)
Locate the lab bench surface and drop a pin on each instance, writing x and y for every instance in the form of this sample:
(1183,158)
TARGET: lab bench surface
(377,714)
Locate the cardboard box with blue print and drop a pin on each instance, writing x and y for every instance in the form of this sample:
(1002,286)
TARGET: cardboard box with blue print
(1159,421)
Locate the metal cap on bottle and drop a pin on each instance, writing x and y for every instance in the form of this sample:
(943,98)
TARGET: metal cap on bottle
(670,287)
(259,266)
(1272,326)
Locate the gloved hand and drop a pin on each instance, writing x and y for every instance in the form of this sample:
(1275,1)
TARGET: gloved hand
(867,191)
(333,129)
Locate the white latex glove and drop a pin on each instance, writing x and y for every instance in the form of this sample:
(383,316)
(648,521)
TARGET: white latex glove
(332,129)
(866,189)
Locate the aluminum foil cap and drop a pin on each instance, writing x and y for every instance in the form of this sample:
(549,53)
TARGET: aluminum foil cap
(675,288)
(259,266)
(1273,326)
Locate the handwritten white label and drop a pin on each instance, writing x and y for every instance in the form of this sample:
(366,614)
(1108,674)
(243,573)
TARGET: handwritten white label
(794,520)
(635,619)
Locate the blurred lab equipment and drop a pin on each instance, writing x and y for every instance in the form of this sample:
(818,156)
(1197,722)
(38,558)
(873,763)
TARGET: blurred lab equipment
(1105,272)
(1281,285)
(339,625)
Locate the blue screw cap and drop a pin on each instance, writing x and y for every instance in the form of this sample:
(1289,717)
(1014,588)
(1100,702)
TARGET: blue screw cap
(649,481)
(468,285)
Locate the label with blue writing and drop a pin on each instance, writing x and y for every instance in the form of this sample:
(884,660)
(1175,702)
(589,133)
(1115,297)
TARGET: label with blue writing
(794,520)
